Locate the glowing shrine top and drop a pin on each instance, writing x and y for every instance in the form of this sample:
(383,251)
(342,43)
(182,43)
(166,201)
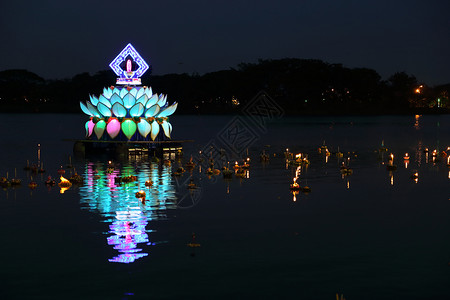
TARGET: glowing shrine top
(125,71)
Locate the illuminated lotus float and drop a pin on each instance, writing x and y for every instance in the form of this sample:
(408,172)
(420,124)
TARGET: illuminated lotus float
(127,110)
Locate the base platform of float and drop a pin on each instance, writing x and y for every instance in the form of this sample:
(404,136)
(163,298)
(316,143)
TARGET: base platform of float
(128,148)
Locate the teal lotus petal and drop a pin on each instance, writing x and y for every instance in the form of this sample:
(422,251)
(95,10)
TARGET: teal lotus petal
(119,110)
(104,110)
(143,99)
(134,92)
(148,92)
(89,128)
(155,130)
(129,100)
(116,91)
(152,101)
(128,128)
(139,93)
(93,110)
(123,92)
(137,110)
(144,127)
(152,111)
(113,128)
(86,110)
(107,93)
(168,111)
(94,100)
(166,128)
(99,128)
(102,99)
(115,99)
(162,101)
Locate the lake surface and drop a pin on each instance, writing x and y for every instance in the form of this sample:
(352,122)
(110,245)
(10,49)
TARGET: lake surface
(374,234)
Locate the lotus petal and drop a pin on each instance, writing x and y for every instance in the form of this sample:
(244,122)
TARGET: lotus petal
(166,128)
(102,99)
(162,101)
(129,100)
(104,110)
(168,111)
(93,110)
(148,92)
(94,100)
(115,99)
(133,92)
(128,128)
(155,130)
(116,91)
(152,111)
(89,128)
(113,128)
(137,110)
(107,93)
(99,128)
(119,110)
(143,99)
(85,109)
(170,127)
(144,127)
(123,92)
(139,93)
(152,101)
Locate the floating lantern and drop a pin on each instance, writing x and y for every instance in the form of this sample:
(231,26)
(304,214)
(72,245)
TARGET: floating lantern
(129,108)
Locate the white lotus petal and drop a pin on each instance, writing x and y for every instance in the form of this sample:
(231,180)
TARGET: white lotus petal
(168,111)
(152,101)
(137,110)
(155,130)
(139,93)
(107,92)
(94,100)
(116,99)
(93,110)
(162,101)
(129,100)
(104,110)
(102,99)
(170,127)
(123,92)
(85,109)
(119,110)
(152,111)
(166,129)
(144,127)
(148,92)
(143,99)
(133,92)
(116,91)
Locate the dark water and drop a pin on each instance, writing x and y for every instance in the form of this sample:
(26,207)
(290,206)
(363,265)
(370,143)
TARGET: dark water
(372,235)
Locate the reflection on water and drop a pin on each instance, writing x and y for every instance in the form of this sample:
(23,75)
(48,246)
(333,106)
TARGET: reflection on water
(106,191)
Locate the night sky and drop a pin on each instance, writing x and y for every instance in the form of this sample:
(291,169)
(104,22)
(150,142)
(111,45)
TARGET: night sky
(59,39)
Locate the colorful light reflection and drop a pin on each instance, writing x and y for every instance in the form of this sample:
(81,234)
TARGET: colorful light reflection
(127,215)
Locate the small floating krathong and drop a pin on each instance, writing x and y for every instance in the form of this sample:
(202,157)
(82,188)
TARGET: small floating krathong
(140,194)
(65,183)
(415,177)
(390,166)
(50,181)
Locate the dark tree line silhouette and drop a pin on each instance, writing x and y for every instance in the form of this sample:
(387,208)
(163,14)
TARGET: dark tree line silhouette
(300,86)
